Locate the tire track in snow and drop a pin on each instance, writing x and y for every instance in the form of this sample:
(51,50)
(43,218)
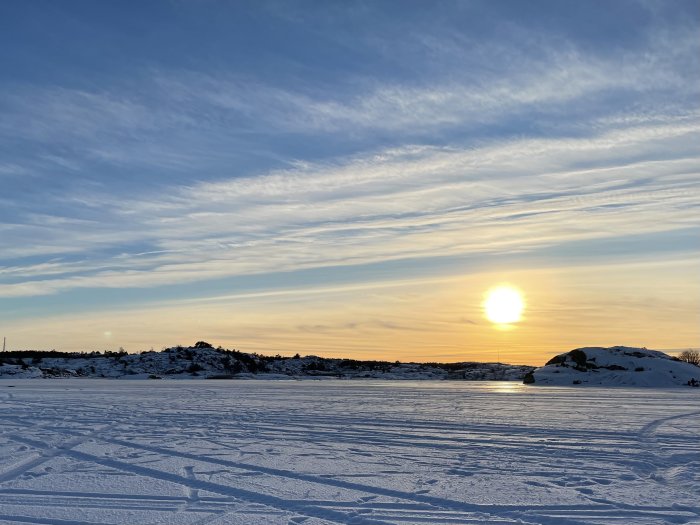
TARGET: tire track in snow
(651,427)
(261,427)
(45,454)
(493,512)
(48,521)
(238,493)
(438,502)
(649,441)
(452,511)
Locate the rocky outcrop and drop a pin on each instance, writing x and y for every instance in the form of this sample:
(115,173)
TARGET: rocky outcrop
(615,366)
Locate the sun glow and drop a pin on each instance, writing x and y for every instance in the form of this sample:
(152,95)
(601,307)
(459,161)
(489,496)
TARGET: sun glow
(504,305)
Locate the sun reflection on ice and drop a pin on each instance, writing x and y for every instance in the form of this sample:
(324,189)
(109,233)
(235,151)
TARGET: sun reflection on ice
(504,387)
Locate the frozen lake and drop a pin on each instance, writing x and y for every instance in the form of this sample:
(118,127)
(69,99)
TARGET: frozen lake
(328,452)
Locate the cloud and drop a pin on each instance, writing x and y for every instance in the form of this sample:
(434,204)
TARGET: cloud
(149,183)
(411,202)
(547,85)
(187,121)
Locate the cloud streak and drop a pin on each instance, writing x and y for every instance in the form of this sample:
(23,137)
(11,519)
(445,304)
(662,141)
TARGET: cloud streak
(184,120)
(414,202)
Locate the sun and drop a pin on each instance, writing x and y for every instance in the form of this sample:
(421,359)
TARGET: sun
(504,304)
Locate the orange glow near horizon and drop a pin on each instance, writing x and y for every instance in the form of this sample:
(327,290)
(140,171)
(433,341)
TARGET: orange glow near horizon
(423,319)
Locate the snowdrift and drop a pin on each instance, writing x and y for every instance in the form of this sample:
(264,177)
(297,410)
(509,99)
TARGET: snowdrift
(615,366)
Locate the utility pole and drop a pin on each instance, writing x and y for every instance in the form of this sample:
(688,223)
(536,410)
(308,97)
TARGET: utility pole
(3,344)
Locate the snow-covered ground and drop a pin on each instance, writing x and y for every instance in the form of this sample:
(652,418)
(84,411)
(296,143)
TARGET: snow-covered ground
(89,451)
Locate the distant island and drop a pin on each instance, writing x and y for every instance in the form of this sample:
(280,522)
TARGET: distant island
(592,366)
(618,366)
(203,361)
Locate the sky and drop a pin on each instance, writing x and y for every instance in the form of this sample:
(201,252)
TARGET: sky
(350,178)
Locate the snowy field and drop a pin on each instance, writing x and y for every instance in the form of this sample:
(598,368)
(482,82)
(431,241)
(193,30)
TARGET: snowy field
(326,452)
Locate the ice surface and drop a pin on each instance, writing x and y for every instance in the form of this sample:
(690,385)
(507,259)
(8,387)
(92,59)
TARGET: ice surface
(359,452)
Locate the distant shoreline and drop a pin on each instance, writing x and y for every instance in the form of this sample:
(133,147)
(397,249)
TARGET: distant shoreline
(205,362)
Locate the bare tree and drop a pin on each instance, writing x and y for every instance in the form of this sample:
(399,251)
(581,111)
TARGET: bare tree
(690,356)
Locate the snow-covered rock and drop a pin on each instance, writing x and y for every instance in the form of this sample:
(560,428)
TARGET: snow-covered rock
(615,366)
(205,362)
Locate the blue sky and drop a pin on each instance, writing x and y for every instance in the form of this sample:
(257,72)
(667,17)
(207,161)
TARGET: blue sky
(155,154)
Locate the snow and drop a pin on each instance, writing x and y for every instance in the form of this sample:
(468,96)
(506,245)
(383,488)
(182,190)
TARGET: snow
(98,451)
(616,366)
(208,362)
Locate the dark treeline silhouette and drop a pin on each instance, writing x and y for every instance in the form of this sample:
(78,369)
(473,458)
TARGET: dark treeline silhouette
(50,354)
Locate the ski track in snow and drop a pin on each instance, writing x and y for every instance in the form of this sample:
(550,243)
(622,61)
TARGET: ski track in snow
(86,452)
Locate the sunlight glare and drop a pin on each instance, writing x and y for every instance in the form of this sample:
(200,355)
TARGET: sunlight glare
(504,305)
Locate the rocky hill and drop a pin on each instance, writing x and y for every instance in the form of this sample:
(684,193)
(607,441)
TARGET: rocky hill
(615,366)
(205,362)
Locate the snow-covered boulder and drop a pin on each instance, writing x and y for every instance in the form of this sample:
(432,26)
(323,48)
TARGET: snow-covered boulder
(615,366)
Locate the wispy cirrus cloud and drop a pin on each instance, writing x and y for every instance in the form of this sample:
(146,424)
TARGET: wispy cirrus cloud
(185,120)
(408,199)
(413,202)
(543,85)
